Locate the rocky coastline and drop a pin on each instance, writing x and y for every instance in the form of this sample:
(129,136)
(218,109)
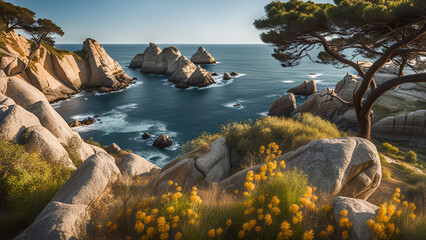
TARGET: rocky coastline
(59,74)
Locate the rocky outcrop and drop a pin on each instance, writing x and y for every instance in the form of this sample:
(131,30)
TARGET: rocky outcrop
(226,76)
(409,127)
(163,141)
(202,57)
(67,215)
(146,135)
(336,166)
(137,61)
(14,120)
(200,78)
(195,168)
(58,73)
(283,106)
(306,88)
(89,180)
(38,139)
(134,165)
(359,212)
(84,122)
(170,61)
(58,221)
(321,104)
(24,93)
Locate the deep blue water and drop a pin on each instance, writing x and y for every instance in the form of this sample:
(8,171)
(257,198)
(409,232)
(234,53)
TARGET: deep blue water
(153,105)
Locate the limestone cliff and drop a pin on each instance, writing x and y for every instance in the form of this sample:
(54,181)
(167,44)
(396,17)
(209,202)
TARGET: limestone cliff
(58,73)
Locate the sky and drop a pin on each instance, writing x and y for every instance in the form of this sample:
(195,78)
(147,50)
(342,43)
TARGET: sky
(159,21)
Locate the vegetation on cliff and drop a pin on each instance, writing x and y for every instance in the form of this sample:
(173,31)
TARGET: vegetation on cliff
(27,183)
(289,134)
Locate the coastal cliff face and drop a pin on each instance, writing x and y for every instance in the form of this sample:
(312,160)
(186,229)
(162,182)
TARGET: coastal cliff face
(58,73)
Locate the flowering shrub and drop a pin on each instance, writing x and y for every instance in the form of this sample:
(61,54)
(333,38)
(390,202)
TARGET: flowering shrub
(391,217)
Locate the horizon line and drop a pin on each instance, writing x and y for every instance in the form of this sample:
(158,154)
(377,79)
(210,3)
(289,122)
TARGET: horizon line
(118,43)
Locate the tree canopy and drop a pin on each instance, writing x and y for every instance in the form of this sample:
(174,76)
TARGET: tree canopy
(43,31)
(381,30)
(14,17)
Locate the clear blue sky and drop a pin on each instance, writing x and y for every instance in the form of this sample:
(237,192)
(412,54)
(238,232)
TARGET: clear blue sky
(159,21)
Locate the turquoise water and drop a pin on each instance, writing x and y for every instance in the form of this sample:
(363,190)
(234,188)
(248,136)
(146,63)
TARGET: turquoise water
(153,105)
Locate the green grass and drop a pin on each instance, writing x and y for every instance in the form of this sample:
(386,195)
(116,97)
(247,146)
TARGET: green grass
(391,105)
(27,183)
(289,134)
(416,178)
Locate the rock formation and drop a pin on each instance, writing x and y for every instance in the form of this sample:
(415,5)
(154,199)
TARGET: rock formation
(283,106)
(306,88)
(202,57)
(163,141)
(359,212)
(58,73)
(336,166)
(86,121)
(410,127)
(170,61)
(190,169)
(226,76)
(134,165)
(146,135)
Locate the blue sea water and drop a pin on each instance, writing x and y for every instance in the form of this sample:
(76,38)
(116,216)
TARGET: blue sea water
(153,105)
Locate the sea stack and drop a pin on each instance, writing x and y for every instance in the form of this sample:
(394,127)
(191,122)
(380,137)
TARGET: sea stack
(169,61)
(306,88)
(202,57)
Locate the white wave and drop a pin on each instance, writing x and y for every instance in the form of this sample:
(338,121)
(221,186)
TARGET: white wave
(315,75)
(82,116)
(232,105)
(85,99)
(128,106)
(263,114)
(287,81)
(272,96)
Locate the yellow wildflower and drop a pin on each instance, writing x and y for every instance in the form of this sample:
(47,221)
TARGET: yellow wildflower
(285,225)
(344,213)
(178,236)
(170,182)
(219,231)
(228,222)
(345,234)
(309,235)
(241,234)
(212,233)
(164,236)
(139,226)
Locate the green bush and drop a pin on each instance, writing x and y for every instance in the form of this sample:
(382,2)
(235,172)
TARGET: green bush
(411,156)
(288,134)
(27,183)
(390,149)
(415,178)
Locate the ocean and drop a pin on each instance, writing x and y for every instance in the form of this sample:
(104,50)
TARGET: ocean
(153,105)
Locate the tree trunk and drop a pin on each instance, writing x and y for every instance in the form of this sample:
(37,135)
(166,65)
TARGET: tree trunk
(30,58)
(365,126)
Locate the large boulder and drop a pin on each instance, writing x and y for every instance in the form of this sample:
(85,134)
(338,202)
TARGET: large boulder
(58,221)
(51,120)
(359,212)
(89,180)
(226,76)
(347,166)
(306,88)
(200,78)
(6,100)
(183,172)
(283,106)
(38,139)
(215,164)
(195,168)
(202,57)
(408,127)
(23,93)
(133,165)
(153,60)
(347,87)
(14,120)
(163,141)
